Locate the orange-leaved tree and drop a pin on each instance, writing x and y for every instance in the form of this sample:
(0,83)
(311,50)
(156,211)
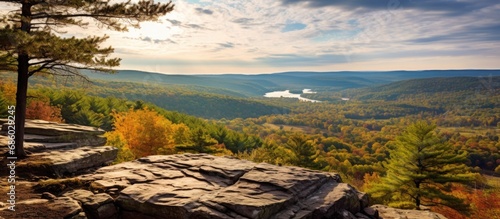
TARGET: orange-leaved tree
(41,109)
(144,132)
(485,203)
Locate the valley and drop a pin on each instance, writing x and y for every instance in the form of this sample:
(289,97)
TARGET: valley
(230,115)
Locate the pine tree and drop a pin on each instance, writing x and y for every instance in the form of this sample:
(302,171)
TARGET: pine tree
(30,40)
(3,106)
(201,142)
(420,169)
(303,151)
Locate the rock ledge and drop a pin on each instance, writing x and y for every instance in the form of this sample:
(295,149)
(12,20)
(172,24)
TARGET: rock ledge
(206,186)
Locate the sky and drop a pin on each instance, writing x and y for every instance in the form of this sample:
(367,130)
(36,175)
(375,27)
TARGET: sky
(266,36)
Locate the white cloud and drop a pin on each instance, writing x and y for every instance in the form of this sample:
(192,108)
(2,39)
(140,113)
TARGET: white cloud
(227,36)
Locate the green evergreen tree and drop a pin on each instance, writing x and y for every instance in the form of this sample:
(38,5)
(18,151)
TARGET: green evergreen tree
(29,43)
(202,142)
(420,169)
(3,106)
(303,151)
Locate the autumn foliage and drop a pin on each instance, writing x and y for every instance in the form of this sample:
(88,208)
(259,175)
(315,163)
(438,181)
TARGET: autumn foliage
(484,204)
(38,109)
(144,132)
(8,91)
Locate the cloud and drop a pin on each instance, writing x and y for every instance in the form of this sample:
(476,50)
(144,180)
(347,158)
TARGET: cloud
(186,62)
(150,40)
(301,60)
(454,7)
(194,26)
(174,22)
(177,23)
(223,46)
(227,45)
(204,11)
(247,22)
(271,36)
(488,33)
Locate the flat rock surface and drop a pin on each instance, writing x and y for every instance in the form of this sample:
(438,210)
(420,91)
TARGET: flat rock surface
(71,161)
(46,128)
(58,149)
(95,205)
(206,186)
(28,146)
(60,207)
(44,135)
(394,213)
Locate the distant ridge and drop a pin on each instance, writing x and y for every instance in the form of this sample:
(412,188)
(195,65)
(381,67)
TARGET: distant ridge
(258,84)
(431,86)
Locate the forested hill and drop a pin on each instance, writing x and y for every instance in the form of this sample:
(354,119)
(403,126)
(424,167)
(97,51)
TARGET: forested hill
(429,86)
(226,96)
(201,101)
(258,84)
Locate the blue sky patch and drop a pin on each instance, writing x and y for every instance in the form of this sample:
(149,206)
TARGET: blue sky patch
(336,35)
(353,23)
(199,2)
(293,27)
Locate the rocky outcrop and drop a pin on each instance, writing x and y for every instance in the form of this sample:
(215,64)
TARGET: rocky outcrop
(205,186)
(59,207)
(187,186)
(59,149)
(47,128)
(71,161)
(394,213)
(95,205)
(40,131)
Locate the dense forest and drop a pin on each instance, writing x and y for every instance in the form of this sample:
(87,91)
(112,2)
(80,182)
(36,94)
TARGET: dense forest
(201,101)
(354,137)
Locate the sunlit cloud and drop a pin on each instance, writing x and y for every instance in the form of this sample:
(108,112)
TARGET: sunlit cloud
(261,36)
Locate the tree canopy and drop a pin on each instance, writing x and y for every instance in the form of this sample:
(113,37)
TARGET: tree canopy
(303,151)
(32,40)
(420,168)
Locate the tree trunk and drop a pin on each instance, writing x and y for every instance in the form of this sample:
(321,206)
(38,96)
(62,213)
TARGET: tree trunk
(417,202)
(22,82)
(22,90)
(417,198)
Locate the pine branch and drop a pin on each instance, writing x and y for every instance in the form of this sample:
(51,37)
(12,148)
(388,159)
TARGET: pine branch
(111,16)
(67,72)
(10,1)
(59,16)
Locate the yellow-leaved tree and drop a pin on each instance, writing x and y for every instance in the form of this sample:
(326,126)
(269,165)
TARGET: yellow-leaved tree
(143,132)
(8,90)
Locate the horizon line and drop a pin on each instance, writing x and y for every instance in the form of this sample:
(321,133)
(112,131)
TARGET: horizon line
(300,71)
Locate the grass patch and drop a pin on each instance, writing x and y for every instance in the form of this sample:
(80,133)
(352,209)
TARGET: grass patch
(35,166)
(58,186)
